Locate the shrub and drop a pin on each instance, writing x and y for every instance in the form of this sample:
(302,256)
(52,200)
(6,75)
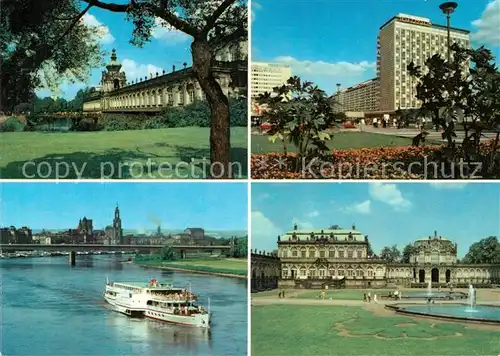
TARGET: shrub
(121,122)
(11,125)
(428,162)
(196,114)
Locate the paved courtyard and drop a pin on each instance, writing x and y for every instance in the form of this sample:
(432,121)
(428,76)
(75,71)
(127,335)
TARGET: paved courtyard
(411,132)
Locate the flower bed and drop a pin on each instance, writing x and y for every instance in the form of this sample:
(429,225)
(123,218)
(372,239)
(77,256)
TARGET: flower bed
(428,162)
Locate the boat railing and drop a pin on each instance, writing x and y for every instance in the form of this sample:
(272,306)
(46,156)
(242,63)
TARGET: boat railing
(180,298)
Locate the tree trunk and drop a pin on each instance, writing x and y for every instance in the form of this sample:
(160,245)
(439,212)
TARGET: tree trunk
(220,150)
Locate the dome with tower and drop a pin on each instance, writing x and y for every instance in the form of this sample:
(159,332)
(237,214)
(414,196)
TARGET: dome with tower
(434,250)
(113,78)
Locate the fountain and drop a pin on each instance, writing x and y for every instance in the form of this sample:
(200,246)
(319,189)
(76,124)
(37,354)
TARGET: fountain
(471,299)
(429,288)
(471,312)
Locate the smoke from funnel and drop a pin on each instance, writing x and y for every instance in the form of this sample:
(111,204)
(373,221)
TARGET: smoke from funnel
(155,219)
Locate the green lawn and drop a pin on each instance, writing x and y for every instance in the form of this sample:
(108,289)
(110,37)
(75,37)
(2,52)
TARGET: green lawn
(116,154)
(341,140)
(292,330)
(230,265)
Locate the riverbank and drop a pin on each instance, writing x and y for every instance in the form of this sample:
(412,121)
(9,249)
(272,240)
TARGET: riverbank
(231,267)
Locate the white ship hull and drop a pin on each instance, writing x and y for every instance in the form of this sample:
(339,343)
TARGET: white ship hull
(125,307)
(156,301)
(197,320)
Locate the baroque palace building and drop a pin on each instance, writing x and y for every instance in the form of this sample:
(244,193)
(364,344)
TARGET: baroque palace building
(158,91)
(339,258)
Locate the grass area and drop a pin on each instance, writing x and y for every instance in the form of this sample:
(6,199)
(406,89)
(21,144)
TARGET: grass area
(347,294)
(341,140)
(314,330)
(229,265)
(116,154)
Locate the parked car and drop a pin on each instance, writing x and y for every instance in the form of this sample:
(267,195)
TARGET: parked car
(349,125)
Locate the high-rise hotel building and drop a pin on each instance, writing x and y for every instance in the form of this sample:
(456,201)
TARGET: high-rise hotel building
(362,97)
(402,40)
(266,76)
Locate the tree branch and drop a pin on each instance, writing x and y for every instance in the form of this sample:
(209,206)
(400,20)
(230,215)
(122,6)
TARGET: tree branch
(217,13)
(164,13)
(110,7)
(73,24)
(237,34)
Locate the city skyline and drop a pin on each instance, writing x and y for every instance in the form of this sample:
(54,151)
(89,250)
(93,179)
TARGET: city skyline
(388,213)
(142,206)
(350,58)
(168,47)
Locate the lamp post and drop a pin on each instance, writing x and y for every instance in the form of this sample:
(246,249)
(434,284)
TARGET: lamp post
(448,8)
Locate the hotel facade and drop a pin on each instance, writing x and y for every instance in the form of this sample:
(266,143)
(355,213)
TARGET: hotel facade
(401,40)
(264,77)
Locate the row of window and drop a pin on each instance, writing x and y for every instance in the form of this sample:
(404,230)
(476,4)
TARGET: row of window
(323,254)
(331,273)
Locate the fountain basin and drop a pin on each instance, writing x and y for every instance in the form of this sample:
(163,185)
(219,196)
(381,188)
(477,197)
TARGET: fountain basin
(433,295)
(459,312)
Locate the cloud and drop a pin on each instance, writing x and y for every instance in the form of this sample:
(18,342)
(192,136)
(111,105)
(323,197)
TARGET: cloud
(302,225)
(255,7)
(134,70)
(389,194)
(264,232)
(336,69)
(313,214)
(488,25)
(359,208)
(447,185)
(102,32)
(167,34)
(263,196)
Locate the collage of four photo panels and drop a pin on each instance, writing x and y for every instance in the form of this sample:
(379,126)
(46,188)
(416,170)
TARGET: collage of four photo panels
(265,178)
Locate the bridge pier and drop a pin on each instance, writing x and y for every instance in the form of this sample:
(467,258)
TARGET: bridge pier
(72,258)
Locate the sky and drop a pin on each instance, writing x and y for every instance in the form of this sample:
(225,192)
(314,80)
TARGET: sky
(142,205)
(334,41)
(388,213)
(167,48)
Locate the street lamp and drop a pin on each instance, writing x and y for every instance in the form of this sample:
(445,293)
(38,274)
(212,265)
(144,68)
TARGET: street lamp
(448,8)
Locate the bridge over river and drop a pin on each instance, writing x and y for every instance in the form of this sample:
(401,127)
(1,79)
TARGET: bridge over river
(182,250)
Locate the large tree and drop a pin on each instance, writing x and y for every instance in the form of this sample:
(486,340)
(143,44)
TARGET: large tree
(213,25)
(390,254)
(484,251)
(408,250)
(41,43)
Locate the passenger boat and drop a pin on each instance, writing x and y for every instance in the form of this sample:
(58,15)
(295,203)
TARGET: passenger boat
(158,301)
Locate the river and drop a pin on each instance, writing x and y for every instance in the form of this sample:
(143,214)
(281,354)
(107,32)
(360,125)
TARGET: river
(51,308)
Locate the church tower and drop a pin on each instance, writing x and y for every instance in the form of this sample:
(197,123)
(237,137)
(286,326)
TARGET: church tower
(113,79)
(117,227)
